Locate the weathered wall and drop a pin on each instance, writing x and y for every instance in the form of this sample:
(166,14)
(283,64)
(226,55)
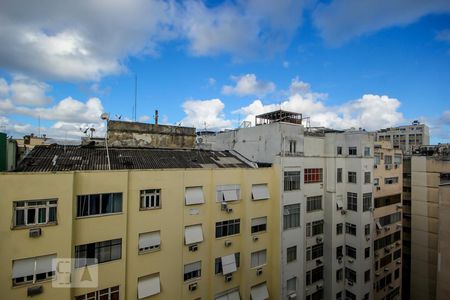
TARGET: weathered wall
(133,134)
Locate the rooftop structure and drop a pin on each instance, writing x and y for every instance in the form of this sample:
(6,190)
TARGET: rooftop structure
(279,116)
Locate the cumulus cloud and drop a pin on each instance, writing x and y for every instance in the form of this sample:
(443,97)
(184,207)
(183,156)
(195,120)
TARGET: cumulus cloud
(205,113)
(341,20)
(248,85)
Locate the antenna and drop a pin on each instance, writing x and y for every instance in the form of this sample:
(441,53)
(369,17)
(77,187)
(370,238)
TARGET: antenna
(105,117)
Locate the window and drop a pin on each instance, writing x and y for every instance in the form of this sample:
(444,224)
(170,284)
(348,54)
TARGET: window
(291,254)
(193,195)
(316,274)
(313,203)
(193,270)
(102,251)
(228,192)
(313,175)
(148,286)
(352,201)
(377,159)
(316,251)
(388,159)
(367,252)
(366,296)
(376,181)
(260,192)
(339,228)
(193,234)
(350,228)
(339,296)
(390,219)
(291,285)
(258,258)
(366,151)
(228,227)
(39,212)
(308,229)
(385,260)
(33,269)
(292,180)
(386,240)
(291,218)
(367,201)
(367,276)
(339,175)
(292,146)
(232,294)
(349,295)
(352,177)
(151,199)
(397,253)
(367,178)
(149,241)
(367,229)
(352,151)
(339,251)
(350,275)
(339,150)
(259,292)
(229,261)
(339,202)
(339,274)
(317,227)
(350,251)
(398,159)
(259,224)
(99,204)
(397,274)
(111,293)
(389,200)
(391,180)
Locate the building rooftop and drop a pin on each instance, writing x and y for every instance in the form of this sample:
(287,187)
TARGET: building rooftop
(52,158)
(279,116)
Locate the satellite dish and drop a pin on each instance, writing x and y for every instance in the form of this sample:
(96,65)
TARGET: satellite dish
(104,116)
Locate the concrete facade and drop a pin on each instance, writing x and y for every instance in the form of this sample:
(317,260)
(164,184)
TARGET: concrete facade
(407,137)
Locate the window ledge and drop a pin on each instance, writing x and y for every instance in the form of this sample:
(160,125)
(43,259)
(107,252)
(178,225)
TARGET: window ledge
(21,227)
(97,216)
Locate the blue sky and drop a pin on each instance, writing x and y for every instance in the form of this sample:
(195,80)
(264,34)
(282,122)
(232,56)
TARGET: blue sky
(344,63)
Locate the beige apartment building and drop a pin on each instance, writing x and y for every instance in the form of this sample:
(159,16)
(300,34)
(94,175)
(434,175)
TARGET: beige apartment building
(406,137)
(162,223)
(430,239)
(388,221)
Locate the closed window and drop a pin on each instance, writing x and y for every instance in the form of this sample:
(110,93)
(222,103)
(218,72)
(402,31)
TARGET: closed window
(229,192)
(339,228)
(367,276)
(385,260)
(339,175)
(387,159)
(313,203)
(398,159)
(350,251)
(339,274)
(350,275)
(377,159)
(367,178)
(367,229)
(397,274)
(259,224)
(193,234)
(33,269)
(150,199)
(397,253)
(31,213)
(149,241)
(391,180)
(366,151)
(314,252)
(194,195)
(111,293)
(367,252)
(101,251)
(349,295)
(317,227)
(352,201)
(389,200)
(292,146)
(291,254)
(99,204)
(192,270)
(350,228)
(232,294)
(339,252)
(313,175)
(291,216)
(228,227)
(148,286)
(291,285)
(258,258)
(339,150)
(315,275)
(292,180)
(352,177)
(386,240)
(390,219)
(352,151)
(367,201)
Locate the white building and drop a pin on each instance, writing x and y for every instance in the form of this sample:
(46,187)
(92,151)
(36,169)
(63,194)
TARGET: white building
(326,175)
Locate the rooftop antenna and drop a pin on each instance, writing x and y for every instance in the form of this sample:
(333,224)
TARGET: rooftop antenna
(105,117)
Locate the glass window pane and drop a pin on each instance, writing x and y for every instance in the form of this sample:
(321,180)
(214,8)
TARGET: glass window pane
(42,215)
(31,219)
(20,217)
(52,214)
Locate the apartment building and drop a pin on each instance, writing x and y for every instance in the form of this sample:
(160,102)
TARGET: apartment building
(430,173)
(388,172)
(407,137)
(326,175)
(161,223)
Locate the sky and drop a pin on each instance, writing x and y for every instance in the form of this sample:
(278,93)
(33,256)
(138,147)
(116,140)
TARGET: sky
(213,64)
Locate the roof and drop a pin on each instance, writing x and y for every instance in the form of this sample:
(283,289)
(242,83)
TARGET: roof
(279,116)
(52,158)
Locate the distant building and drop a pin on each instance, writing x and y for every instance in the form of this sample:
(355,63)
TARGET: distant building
(407,137)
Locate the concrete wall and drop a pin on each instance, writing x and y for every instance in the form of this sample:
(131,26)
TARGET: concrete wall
(443,263)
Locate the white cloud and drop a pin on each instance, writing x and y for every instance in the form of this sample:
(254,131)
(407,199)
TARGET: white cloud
(205,113)
(248,85)
(341,20)
(27,91)
(4,87)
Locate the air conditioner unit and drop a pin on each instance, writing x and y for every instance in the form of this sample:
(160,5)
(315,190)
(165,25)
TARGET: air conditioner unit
(349,282)
(259,271)
(228,243)
(34,290)
(398,262)
(255,238)
(397,243)
(378,188)
(319,239)
(343,212)
(292,297)
(35,232)
(193,286)
(377,274)
(228,277)
(229,209)
(391,286)
(193,247)
(386,269)
(367,238)
(399,206)
(386,249)
(387,228)
(319,286)
(223,206)
(350,260)
(399,226)
(318,262)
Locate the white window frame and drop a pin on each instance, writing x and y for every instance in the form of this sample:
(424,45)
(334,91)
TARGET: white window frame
(32,264)
(193,234)
(258,259)
(150,199)
(194,269)
(228,193)
(27,206)
(194,195)
(256,223)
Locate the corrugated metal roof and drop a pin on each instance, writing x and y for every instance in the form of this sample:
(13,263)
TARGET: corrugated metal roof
(52,158)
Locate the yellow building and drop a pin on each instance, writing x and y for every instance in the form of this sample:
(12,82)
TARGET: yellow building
(163,224)
(387,214)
